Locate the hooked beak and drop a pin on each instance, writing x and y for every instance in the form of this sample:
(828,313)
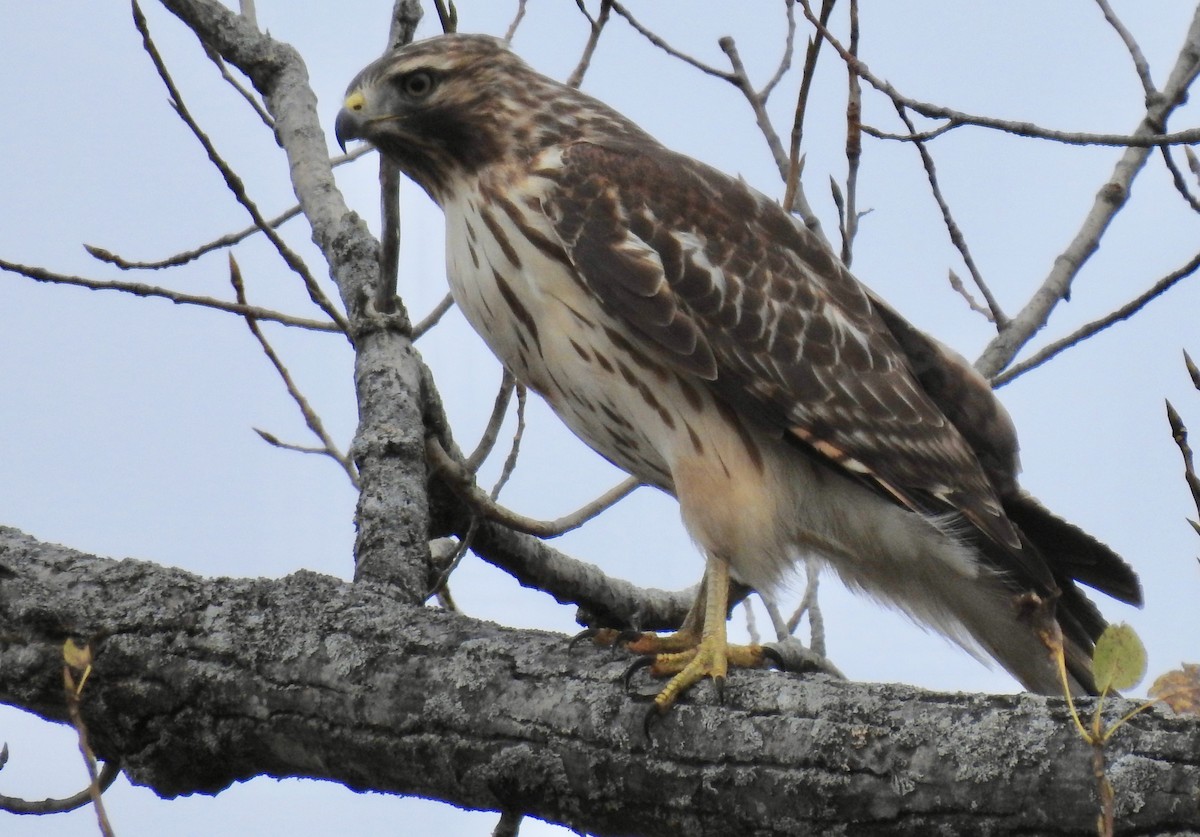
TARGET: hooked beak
(351,120)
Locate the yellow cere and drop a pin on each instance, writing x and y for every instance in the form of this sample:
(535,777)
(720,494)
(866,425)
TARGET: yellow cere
(355,101)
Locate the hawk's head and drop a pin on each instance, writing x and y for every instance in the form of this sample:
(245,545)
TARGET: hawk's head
(444,108)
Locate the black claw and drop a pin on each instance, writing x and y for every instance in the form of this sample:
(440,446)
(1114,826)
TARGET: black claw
(582,635)
(638,664)
(652,716)
(719,685)
(774,656)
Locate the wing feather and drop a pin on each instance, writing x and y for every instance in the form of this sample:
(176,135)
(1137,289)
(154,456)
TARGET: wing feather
(720,282)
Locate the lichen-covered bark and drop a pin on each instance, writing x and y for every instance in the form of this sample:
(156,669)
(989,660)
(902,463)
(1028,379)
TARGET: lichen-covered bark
(199,683)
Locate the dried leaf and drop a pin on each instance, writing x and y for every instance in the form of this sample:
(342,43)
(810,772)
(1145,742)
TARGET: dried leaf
(1179,689)
(1119,661)
(3,755)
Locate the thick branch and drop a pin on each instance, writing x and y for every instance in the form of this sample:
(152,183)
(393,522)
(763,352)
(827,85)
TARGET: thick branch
(388,449)
(198,684)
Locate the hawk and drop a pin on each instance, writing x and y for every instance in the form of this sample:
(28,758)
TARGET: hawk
(692,333)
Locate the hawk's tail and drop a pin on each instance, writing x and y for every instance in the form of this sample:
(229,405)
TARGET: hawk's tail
(1075,556)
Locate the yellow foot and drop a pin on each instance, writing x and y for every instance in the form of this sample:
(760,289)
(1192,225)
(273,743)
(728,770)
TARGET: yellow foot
(710,658)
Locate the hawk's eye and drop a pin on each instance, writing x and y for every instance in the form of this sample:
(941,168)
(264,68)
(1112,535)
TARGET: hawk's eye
(418,84)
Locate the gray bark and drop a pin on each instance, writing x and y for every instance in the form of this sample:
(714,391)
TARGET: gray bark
(202,682)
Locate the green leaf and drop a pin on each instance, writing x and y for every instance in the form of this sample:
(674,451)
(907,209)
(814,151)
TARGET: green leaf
(1119,661)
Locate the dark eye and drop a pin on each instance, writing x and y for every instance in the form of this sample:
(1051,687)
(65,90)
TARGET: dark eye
(417,85)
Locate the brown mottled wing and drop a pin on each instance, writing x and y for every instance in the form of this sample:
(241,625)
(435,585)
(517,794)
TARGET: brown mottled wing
(722,283)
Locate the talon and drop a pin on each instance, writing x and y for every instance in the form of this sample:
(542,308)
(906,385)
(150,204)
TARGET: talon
(772,654)
(719,685)
(635,666)
(587,633)
(652,716)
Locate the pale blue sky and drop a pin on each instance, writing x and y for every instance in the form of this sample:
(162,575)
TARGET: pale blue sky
(126,423)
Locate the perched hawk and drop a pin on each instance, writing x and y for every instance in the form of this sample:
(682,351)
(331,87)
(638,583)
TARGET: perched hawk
(692,333)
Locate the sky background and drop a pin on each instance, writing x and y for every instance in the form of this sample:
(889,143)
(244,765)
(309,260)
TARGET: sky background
(125,424)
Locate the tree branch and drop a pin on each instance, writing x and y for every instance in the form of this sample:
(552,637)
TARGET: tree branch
(198,684)
(392,544)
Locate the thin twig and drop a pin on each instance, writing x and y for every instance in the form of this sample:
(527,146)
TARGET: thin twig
(514,451)
(789,49)
(1140,65)
(956,284)
(1177,179)
(447,14)
(16,805)
(216,244)
(1079,335)
(232,181)
(793,195)
(589,49)
(311,418)
(1024,129)
(751,625)
(462,482)
(433,317)
(1179,433)
(667,48)
(241,89)
(39,274)
(492,432)
(741,80)
(853,145)
(389,236)
(810,605)
(516,21)
(996,314)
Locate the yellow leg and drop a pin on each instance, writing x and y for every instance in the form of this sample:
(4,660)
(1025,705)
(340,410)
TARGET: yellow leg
(700,648)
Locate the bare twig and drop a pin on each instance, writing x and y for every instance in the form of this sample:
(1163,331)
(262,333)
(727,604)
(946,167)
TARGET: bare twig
(216,244)
(667,48)
(514,451)
(389,236)
(789,49)
(1140,65)
(15,805)
(739,79)
(853,145)
(589,49)
(516,21)
(447,14)
(1177,179)
(811,606)
(751,625)
(232,181)
(242,90)
(956,284)
(1109,201)
(329,447)
(433,317)
(957,118)
(139,289)
(995,313)
(1079,335)
(462,482)
(793,195)
(492,432)
(77,667)
(1179,433)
